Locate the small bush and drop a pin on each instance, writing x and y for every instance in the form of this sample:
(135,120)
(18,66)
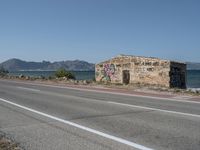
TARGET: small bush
(94,79)
(42,77)
(3,72)
(51,77)
(64,73)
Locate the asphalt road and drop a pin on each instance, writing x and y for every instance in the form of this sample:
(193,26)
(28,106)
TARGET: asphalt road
(40,117)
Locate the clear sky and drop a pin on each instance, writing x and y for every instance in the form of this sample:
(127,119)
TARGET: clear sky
(94,30)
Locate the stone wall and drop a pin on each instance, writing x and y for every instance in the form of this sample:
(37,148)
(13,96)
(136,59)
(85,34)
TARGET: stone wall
(150,71)
(142,70)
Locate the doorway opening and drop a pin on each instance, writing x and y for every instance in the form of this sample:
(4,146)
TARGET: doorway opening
(126,76)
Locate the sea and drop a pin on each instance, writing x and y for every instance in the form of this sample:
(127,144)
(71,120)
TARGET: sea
(80,75)
(193,76)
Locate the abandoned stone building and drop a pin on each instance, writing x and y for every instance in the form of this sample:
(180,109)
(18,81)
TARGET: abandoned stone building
(142,70)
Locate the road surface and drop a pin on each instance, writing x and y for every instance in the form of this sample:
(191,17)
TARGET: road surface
(42,117)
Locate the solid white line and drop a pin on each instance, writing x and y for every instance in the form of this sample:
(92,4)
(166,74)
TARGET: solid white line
(156,109)
(114,138)
(29,89)
(129,105)
(108,92)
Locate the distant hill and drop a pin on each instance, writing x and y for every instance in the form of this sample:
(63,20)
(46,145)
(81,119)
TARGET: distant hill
(19,65)
(193,66)
(75,65)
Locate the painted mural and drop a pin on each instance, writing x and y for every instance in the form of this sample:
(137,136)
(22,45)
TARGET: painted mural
(107,73)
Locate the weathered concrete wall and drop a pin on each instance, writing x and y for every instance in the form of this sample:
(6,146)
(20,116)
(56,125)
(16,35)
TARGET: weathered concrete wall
(142,70)
(150,71)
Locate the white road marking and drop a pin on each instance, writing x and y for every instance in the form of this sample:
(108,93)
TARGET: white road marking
(156,109)
(123,104)
(108,92)
(182,97)
(28,89)
(114,138)
(129,105)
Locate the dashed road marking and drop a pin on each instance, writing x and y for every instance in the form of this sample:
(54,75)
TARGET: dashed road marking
(107,92)
(28,89)
(182,97)
(156,109)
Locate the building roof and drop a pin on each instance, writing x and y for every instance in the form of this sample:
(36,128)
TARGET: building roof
(122,55)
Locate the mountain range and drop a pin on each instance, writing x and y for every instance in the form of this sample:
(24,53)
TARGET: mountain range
(20,65)
(75,65)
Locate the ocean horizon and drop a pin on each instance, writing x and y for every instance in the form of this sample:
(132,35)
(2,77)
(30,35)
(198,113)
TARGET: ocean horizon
(193,76)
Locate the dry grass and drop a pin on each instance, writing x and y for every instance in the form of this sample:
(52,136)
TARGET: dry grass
(6,144)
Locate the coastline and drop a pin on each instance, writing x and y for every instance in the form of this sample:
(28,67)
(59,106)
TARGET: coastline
(193,76)
(91,84)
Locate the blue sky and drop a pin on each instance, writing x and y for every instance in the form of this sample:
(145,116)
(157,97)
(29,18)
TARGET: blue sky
(94,30)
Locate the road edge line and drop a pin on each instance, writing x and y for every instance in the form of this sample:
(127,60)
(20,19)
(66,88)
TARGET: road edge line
(111,137)
(107,92)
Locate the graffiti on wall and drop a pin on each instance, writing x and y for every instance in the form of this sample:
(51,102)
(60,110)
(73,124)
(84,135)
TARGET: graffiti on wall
(107,72)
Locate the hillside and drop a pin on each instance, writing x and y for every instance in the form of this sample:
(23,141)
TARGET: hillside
(75,65)
(19,65)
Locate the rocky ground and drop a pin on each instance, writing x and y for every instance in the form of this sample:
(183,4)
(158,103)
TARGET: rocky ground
(7,144)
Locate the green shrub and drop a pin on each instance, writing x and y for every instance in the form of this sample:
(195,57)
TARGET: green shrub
(60,73)
(3,72)
(51,77)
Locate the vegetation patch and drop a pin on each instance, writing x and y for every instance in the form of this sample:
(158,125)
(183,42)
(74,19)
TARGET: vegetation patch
(62,73)
(3,72)
(6,144)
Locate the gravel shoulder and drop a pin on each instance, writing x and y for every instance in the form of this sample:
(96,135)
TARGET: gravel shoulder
(7,144)
(132,88)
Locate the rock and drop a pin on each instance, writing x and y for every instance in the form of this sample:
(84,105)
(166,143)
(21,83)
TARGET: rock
(21,76)
(76,81)
(85,82)
(27,78)
(64,78)
(42,77)
(71,81)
